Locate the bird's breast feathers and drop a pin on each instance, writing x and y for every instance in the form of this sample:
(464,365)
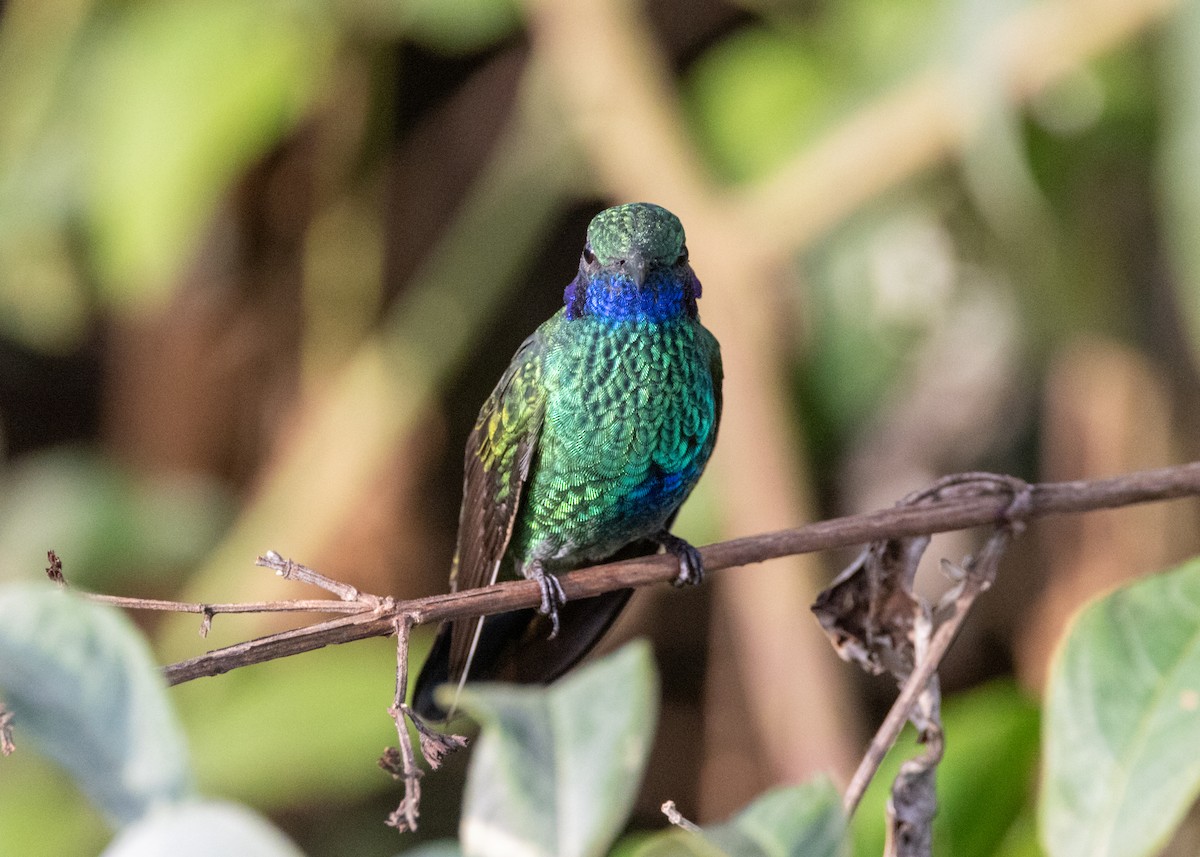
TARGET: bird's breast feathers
(629,424)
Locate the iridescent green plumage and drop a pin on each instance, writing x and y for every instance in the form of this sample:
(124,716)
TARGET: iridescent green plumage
(592,439)
(616,233)
(629,423)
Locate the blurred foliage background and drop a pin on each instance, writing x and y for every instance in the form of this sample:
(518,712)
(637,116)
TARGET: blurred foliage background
(261,260)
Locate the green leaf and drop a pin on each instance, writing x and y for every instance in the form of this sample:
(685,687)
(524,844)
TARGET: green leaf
(984,781)
(200,829)
(755,98)
(794,821)
(180,99)
(797,821)
(677,843)
(82,685)
(556,770)
(1123,719)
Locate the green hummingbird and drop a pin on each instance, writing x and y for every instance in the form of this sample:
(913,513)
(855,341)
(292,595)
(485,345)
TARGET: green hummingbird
(592,439)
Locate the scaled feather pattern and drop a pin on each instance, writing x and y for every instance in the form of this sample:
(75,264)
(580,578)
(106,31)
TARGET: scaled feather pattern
(592,439)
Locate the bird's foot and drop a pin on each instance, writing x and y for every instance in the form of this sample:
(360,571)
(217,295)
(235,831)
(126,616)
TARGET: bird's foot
(691,566)
(553,596)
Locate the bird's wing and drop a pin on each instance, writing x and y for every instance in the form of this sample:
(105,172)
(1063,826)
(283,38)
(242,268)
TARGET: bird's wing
(498,459)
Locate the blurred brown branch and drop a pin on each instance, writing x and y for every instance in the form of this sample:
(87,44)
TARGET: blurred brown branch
(635,137)
(623,112)
(938,516)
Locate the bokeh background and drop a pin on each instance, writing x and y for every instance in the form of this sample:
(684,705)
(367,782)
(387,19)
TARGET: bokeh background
(261,260)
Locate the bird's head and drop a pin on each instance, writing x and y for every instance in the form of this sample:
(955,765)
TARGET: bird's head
(634,267)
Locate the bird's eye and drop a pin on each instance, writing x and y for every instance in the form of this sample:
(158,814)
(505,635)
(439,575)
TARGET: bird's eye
(588,255)
(683,256)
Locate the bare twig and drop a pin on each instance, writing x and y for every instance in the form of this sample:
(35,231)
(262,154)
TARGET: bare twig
(309,605)
(404,817)
(6,740)
(677,818)
(897,715)
(54,569)
(938,516)
(353,601)
(975,580)
(401,761)
(877,619)
(289,570)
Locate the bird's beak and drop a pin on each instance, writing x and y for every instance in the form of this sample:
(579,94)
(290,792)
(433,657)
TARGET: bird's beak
(636,266)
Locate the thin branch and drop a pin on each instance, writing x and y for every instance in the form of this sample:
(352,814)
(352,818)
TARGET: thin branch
(352,601)
(312,605)
(404,817)
(6,740)
(401,761)
(897,715)
(876,620)
(677,818)
(939,516)
(289,570)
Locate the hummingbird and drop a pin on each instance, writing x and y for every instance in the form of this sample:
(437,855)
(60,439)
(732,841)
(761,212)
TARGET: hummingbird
(583,453)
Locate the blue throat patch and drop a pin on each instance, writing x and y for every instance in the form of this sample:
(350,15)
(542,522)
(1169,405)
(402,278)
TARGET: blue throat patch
(615,297)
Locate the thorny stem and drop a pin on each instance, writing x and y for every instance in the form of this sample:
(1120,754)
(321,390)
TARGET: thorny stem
(941,515)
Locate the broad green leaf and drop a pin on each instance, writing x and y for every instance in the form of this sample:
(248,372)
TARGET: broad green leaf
(180,99)
(984,782)
(201,829)
(796,821)
(793,821)
(678,843)
(1123,721)
(556,770)
(1021,840)
(82,685)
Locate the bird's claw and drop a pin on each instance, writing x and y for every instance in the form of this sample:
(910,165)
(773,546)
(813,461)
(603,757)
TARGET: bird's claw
(691,564)
(553,597)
